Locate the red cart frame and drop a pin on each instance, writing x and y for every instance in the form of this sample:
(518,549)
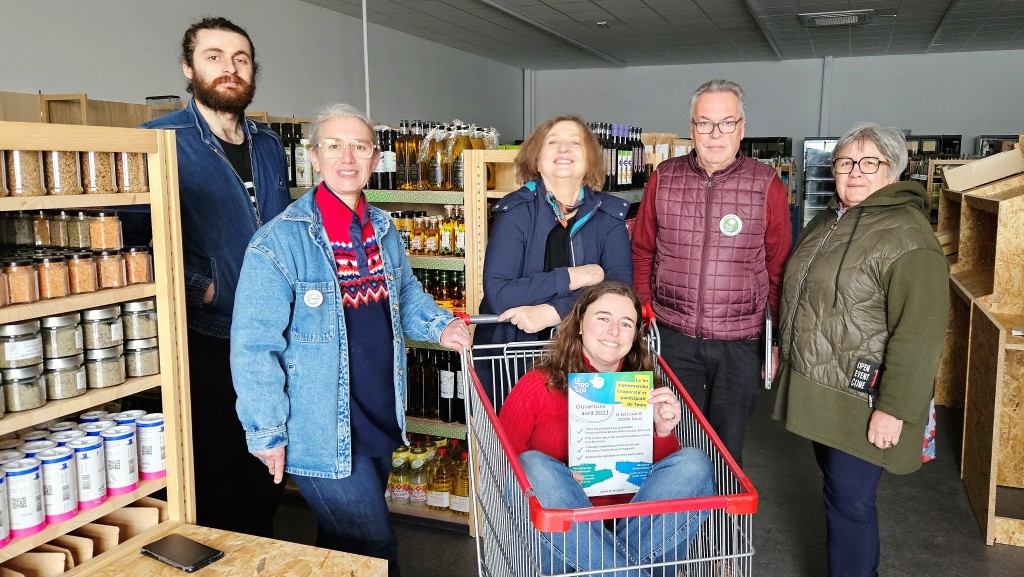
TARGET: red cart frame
(510,521)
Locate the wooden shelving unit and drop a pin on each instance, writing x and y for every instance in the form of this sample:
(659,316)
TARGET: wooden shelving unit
(172,381)
(982,367)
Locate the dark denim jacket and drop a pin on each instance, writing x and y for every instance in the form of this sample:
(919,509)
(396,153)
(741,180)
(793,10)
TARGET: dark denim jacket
(217,217)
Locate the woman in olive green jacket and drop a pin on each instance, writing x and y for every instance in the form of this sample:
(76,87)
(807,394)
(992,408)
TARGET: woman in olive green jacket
(864,302)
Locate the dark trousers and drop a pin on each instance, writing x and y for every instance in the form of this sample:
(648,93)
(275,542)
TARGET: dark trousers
(851,486)
(722,377)
(234,491)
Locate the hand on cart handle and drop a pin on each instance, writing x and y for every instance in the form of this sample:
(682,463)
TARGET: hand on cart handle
(648,313)
(531,318)
(455,336)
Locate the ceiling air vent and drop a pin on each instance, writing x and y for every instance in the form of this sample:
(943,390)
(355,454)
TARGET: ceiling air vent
(845,18)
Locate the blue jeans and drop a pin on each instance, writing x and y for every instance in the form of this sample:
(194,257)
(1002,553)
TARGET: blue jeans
(852,517)
(636,540)
(351,513)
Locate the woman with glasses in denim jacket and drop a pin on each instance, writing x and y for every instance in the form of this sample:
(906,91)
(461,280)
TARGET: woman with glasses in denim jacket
(324,305)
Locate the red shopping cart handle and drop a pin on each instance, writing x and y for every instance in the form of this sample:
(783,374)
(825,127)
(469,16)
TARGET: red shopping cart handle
(478,319)
(648,313)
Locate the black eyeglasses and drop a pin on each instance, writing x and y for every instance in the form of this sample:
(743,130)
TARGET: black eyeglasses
(707,127)
(868,165)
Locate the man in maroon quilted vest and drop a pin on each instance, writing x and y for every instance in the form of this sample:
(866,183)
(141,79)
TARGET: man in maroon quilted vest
(709,246)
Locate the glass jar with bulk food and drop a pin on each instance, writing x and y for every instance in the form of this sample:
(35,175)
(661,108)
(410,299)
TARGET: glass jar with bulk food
(102,327)
(62,335)
(63,172)
(104,367)
(65,377)
(5,298)
(58,223)
(110,269)
(98,173)
(41,228)
(131,172)
(25,173)
(78,230)
(21,232)
(81,272)
(52,271)
(105,230)
(24,388)
(20,345)
(139,264)
(139,319)
(21,280)
(141,357)
(3,174)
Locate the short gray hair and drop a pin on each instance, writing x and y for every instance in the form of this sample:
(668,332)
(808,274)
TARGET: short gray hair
(889,141)
(718,85)
(336,111)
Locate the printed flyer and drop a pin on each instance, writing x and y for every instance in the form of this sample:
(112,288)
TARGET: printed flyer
(611,424)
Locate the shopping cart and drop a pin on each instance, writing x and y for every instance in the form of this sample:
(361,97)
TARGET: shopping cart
(514,531)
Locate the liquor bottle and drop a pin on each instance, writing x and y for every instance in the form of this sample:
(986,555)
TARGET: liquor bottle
(425,155)
(626,181)
(443,297)
(446,245)
(610,157)
(402,156)
(435,162)
(459,500)
(412,152)
(416,238)
(460,232)
(303,167)
(430,385)
(460,143)
(439,483)
(455,364)
(446,389)
(374,182)
(414,384)
(418,474)
(289,148)
(296,140)
(432,237)
(398,480)
(389,167)
(459,294)
(428,283)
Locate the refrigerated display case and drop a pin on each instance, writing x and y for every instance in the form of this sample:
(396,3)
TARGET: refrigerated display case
(818,184)
(767,147)
(989,144)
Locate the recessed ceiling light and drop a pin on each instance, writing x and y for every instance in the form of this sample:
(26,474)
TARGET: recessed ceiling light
(603,24)
(844,18)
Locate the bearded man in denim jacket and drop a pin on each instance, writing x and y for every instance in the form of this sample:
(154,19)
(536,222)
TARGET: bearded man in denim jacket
(232,178)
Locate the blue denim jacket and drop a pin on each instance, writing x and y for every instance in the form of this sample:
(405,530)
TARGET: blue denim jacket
(217,217)
(289,350)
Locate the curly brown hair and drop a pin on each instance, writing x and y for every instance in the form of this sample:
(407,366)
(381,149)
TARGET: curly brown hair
(565,353)
(529,152)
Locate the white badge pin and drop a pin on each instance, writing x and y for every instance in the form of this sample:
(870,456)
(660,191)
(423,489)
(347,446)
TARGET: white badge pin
(313,298)
(730,225)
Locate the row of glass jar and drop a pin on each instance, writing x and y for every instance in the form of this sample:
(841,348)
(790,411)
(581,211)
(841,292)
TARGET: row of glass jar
(34,274)
(33,341)
(38,173)
(96,230)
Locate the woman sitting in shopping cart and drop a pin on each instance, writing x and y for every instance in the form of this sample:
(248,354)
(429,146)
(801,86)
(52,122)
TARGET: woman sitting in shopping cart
(602,334)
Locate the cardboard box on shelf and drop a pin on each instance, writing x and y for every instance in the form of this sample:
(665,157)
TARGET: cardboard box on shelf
(985,170)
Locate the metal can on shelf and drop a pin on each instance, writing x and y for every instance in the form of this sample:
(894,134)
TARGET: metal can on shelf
(94,428)
(8,455)
(81,272)
(93,416)
(141,357)
(102,327)
(20,345)
(60,483)
(91,469)
(60,426)
(25,173)
(21,280)
(122,460)
(139,319)
(98,173)
(32,448)
(34,435)
(25,496)
(65,377)
(139,264)
(127,417)
(105,230)
(131,172)
(110,269)
(63,172)
(64,437)
(104,367)
(52,271)
(152,451)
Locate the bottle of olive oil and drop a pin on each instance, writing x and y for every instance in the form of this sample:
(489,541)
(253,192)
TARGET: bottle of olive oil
(459,144)
(412,151)
(402,156)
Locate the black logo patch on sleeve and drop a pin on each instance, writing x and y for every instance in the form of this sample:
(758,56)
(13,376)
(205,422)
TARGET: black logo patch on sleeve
(865,377)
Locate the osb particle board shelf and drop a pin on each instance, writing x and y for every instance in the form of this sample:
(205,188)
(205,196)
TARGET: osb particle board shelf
(972,284)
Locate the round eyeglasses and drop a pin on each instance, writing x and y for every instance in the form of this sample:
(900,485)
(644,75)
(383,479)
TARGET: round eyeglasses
(867,165)
(707,127)
(335,148)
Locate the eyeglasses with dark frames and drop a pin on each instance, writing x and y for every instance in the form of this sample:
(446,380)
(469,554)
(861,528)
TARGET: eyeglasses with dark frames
(707,127)
(867,165)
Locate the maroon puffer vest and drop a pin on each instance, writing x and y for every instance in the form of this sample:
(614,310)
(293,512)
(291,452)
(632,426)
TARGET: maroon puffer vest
(710,278)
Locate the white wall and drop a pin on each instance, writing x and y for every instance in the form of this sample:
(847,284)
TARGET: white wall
(126,50)
(970,93)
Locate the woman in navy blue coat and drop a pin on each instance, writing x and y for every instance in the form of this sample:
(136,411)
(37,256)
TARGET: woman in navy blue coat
(554,236)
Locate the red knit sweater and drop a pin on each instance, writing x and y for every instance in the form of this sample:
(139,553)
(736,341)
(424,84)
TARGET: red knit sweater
(537,418)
